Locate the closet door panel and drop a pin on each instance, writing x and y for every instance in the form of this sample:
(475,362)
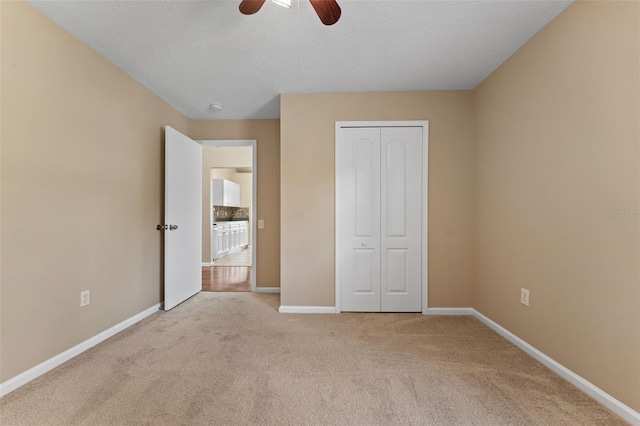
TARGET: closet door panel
(396,188)
(364,167)
(365,264)
(359,223)
(397,270)
(401,219)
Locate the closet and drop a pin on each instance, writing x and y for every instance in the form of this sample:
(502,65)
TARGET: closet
(380,216)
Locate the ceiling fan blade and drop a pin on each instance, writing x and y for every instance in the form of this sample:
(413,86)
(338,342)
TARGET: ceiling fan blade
(328,10)
(249,7)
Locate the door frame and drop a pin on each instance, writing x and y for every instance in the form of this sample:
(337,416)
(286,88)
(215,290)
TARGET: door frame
(425,202)
(253,214)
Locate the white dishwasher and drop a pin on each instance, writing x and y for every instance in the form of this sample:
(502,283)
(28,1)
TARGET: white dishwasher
(214,241)
(220,239)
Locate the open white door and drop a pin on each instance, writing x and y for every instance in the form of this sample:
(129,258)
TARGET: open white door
(182,218)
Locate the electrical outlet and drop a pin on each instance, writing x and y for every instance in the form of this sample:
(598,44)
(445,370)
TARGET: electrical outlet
(524,296)
(84,298)
(260,224)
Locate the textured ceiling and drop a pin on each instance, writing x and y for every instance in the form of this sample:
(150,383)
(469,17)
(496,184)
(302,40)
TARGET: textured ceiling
(195,53)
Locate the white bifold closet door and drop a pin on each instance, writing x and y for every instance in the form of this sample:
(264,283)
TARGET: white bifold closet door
(379,187)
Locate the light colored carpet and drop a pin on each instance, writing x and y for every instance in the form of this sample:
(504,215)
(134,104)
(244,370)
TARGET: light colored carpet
(231,359)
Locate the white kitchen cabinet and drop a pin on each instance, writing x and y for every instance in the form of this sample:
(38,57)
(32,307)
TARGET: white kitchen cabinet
(244,234)
(228,237)
(234,243)
(225,193)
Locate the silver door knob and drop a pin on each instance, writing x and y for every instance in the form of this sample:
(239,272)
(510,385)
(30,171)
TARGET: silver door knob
(173,227)
(363,244)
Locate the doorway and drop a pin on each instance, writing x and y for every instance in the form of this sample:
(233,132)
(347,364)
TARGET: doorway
(229,227)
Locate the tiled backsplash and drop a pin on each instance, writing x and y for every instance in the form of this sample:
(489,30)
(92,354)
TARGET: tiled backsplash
(228,213)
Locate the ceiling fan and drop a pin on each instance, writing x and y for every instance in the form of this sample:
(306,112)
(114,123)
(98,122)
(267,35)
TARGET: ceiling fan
(328,10)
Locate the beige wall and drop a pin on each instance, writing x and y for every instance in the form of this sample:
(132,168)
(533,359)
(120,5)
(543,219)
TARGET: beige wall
(267,135)
(557,147)
(82,191)
(218,173)
(308,178)
(223,156)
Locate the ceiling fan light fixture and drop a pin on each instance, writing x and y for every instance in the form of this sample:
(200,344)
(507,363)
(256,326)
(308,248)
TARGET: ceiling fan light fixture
(327,10)
(284,3)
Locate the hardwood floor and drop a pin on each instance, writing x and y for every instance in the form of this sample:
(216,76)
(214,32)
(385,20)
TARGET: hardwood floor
(229,273)
(226,278)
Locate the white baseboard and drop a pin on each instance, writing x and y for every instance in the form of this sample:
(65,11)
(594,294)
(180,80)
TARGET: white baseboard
(584,385)
(267,289)
(207,264)
(307,309)
(48,365)
(449,311)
